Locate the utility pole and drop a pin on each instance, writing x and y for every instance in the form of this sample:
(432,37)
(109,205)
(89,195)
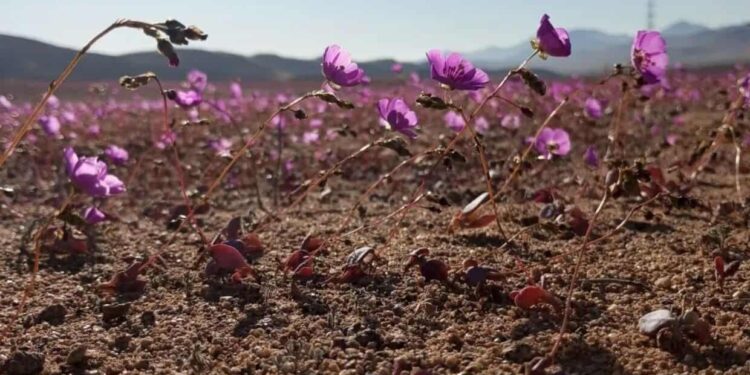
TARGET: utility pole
(650,15)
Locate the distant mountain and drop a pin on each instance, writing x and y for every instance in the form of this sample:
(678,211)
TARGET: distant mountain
(593,52)
(689,44)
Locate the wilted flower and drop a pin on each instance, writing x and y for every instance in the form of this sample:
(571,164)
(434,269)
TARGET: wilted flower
(93,215)
(50,125)
(649,56)
(552,142)
(339,69)
(396,115)
(552,41)
(197,80)
(456,72)
(593,108)
(117,154)
(454,120)
(90,175)
(591,157)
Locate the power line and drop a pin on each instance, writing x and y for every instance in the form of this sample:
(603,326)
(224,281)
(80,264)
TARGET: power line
(650,15)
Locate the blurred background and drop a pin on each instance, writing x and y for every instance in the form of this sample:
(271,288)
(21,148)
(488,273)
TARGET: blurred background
(265,41)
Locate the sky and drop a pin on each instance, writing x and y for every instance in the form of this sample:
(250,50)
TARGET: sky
(401,29)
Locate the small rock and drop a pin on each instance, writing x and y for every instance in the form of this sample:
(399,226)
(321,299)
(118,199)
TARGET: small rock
(121,343)
(663,282)
(518,352)
(54,315)
(115,311)
(77,356)
(24,363)
(148,318)
(142,365)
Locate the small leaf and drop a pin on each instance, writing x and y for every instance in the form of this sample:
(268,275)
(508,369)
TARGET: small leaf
(167,49)
(532,80)
(397,144)
(330,97)
(426,100)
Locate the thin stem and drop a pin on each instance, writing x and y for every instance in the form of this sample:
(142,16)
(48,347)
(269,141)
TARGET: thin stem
(178,164)
(29,289)
(615,129)
(279,151)
(486,172)
(574,276)
(370,189)
(250,142)
(530,146)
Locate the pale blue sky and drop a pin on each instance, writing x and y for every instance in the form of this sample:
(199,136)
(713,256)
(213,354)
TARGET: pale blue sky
(403,29)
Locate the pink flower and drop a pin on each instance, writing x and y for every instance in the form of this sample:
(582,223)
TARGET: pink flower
(552,141)
(552,41)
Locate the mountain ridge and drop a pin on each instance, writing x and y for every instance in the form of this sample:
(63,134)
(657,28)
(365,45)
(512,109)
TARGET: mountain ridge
(594,51)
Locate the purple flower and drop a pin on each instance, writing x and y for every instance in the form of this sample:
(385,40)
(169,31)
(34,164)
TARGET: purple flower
(93,215)
(117,154)
(552,41)
(744,84)
(339,69)
(197,80)
(511,122)
(166,139)
(222,147)
(397,68)
(94,130)
(50,125)
(396,115)
(310,137)
(454,120)
(593,108)
(187,99)
(90,175)
(482,125)
(552,142)
(456,72)
(649,56)
(591,157)
(5,103)
(236,90)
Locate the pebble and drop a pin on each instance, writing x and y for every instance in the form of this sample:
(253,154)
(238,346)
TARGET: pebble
(77,356)
(23,363)
(663,282)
